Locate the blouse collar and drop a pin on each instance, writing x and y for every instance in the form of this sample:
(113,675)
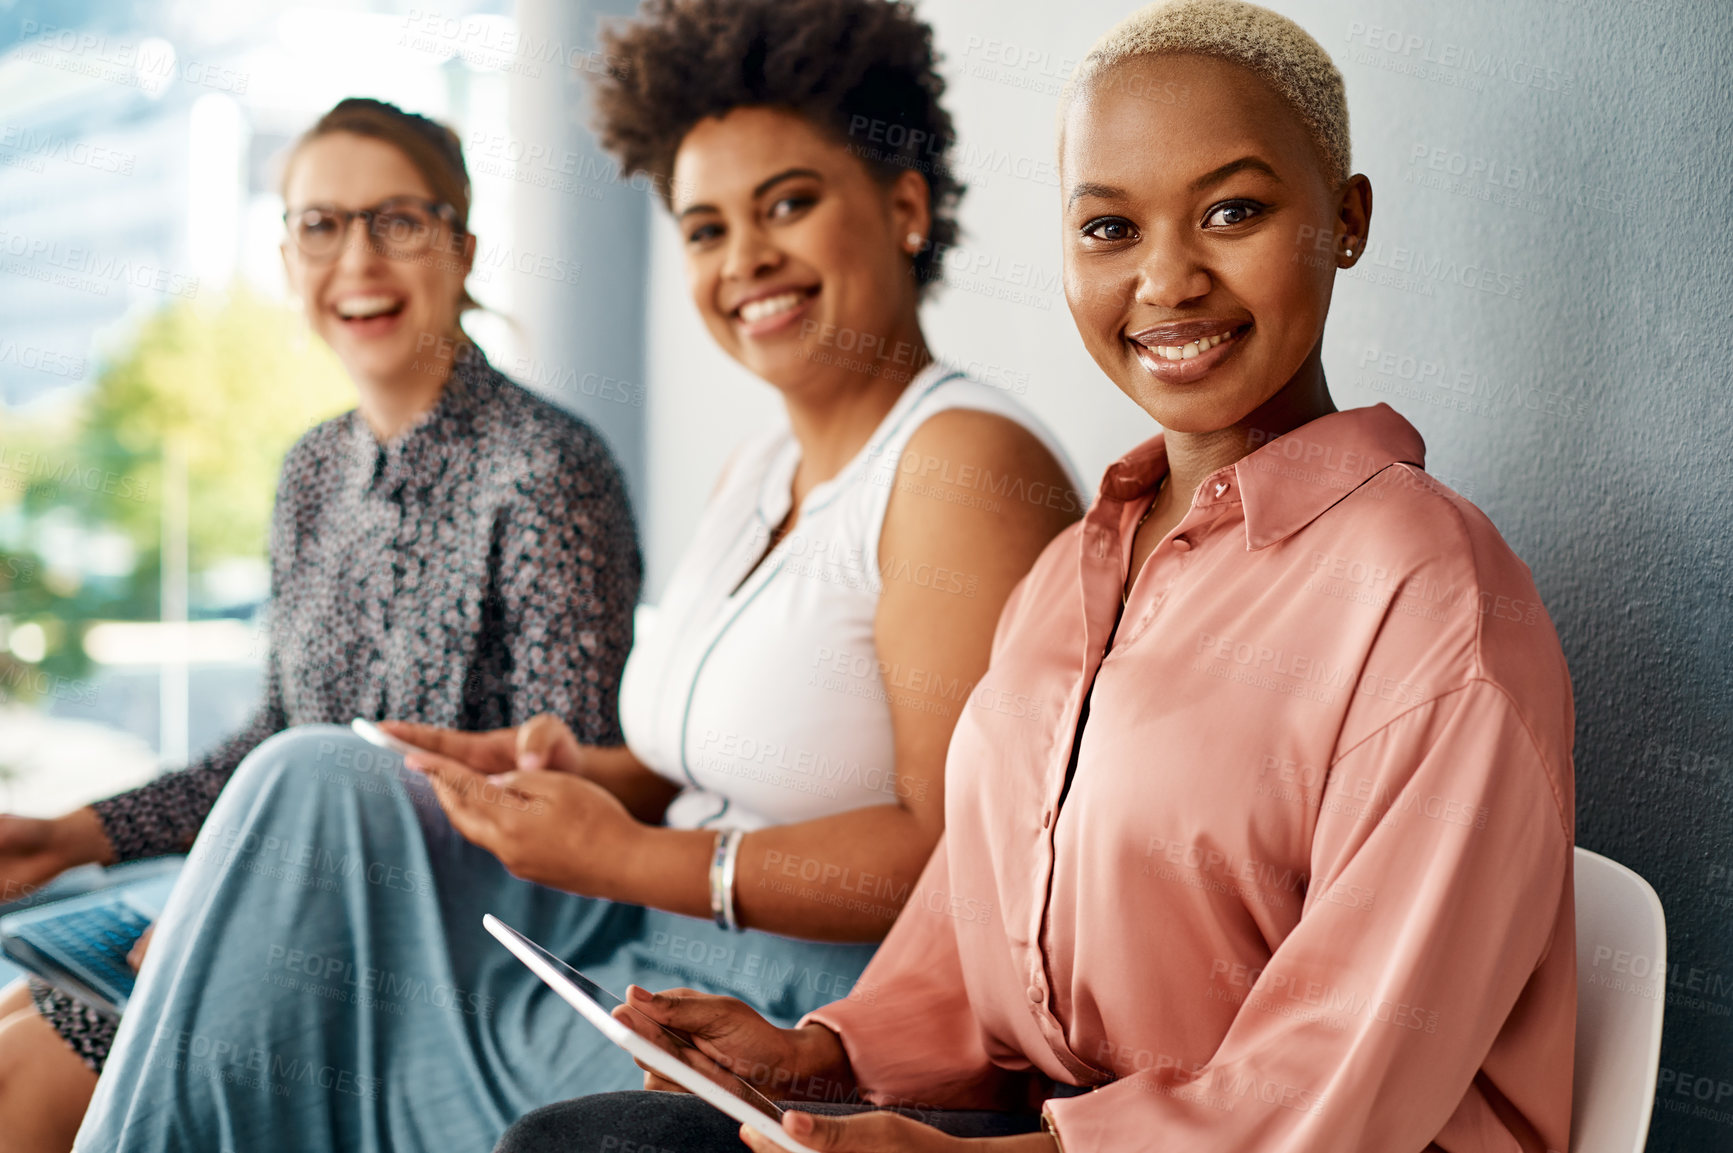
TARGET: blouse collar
(1290,481)
(414,452)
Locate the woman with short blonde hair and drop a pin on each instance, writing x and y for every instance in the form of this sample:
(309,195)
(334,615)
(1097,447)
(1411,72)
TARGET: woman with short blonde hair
(1282,860)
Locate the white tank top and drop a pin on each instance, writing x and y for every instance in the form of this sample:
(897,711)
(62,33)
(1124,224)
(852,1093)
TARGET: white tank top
(767,701)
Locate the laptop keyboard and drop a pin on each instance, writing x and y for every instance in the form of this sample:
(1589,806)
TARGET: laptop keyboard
(96,939)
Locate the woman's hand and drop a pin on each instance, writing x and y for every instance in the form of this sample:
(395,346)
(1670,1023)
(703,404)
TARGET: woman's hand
(34,851)
(886,1132)
(546,742)
(878,1132)
(731,1035)
(542,742)
(553,828)
(135,955)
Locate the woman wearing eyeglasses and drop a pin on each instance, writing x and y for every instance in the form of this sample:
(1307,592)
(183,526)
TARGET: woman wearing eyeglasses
(455,551)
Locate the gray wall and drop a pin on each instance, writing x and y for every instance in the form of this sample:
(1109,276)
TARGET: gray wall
(577,270)
(1555,320)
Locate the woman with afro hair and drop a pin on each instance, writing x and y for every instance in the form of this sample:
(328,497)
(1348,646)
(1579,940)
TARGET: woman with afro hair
(326,984)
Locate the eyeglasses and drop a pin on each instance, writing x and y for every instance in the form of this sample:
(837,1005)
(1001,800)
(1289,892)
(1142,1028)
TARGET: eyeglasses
(398,228)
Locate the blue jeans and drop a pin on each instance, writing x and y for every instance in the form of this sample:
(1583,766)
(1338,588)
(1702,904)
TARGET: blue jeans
(320,980)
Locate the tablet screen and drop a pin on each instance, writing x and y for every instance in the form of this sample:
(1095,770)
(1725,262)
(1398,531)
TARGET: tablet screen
(678,1040)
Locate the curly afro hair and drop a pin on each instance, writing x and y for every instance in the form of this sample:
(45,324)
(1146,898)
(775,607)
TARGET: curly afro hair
(864,70)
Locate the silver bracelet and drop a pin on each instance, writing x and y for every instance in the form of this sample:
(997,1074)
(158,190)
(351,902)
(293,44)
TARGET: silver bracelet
(723,864)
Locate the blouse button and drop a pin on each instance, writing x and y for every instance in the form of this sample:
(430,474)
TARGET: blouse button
(1035,994)
(1180,544)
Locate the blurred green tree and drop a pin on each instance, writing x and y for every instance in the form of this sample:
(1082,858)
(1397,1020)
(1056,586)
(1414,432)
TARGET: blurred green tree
(238,382)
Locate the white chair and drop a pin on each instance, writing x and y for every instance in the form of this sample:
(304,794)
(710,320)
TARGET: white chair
(1621,991)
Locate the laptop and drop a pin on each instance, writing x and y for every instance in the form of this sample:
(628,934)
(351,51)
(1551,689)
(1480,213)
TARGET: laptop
(79,944)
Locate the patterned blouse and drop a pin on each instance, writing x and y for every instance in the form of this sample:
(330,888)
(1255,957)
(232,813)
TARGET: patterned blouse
(475,571)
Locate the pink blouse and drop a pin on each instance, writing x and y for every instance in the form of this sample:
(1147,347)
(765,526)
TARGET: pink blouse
(1309,887)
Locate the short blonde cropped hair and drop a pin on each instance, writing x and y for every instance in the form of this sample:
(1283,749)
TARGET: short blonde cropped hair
(1267,44)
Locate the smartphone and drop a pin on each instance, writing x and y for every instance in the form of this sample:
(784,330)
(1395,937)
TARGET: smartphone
(374,735)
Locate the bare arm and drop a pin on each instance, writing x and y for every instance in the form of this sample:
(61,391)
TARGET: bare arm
(952,548)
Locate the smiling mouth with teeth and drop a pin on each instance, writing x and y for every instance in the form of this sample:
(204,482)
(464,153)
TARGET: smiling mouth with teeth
(765,307)
(1188,351)
(368,307)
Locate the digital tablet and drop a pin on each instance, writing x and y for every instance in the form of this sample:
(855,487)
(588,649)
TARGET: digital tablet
(596,1004)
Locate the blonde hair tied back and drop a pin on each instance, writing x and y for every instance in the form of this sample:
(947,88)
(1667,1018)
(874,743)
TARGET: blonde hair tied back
(431,147)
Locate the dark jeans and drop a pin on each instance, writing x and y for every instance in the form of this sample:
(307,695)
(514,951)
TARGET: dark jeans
(680,1123)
